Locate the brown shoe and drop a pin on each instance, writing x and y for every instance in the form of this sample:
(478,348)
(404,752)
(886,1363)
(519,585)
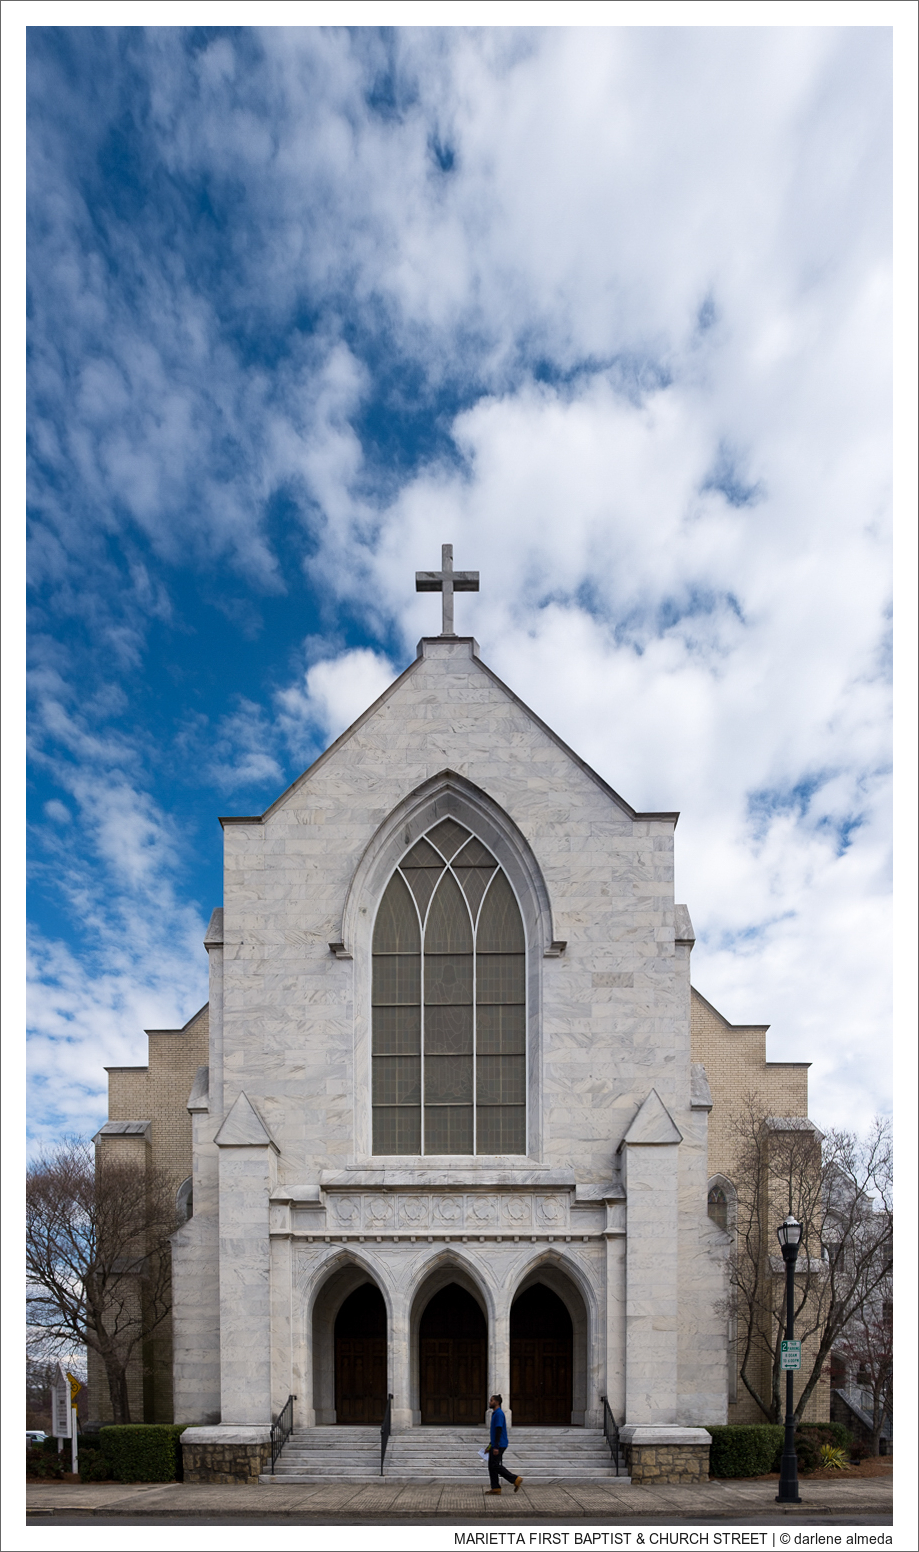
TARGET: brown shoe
(489,1490)
(518,1483)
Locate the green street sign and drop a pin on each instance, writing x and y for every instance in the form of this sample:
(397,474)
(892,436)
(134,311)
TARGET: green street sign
(791,1355)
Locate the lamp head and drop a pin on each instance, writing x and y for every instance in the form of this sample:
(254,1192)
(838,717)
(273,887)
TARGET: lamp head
(789,1233)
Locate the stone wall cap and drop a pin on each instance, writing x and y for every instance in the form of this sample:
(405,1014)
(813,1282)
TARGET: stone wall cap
(228,1433)
(700,1094)
(683,930)
(662,1433)
(214,935)
(124,1129)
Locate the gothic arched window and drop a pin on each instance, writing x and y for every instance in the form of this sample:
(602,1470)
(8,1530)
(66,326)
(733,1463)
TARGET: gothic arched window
(449,1003)
(718,1207)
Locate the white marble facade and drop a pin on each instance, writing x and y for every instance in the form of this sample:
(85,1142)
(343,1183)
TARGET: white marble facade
(607,1208)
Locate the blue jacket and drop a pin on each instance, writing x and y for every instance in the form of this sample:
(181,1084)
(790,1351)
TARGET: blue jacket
(498,1430)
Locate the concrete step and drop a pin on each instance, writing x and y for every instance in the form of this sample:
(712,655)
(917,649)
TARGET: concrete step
(444,1455)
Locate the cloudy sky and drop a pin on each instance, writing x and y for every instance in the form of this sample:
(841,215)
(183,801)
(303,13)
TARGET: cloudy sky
(607,308)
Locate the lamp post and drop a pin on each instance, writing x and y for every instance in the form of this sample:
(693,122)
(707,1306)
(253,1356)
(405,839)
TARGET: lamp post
(789,1234)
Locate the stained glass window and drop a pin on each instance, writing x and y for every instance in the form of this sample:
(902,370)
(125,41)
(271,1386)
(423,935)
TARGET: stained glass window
(449,1003)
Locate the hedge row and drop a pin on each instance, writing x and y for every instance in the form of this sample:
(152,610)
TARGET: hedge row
(143,1452)
(744,1451)
(755,1449)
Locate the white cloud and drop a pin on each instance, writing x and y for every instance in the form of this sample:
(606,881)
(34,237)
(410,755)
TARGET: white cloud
(332,694)
(656,274)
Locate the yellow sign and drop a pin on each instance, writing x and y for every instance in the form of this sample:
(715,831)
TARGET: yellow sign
(75,1387)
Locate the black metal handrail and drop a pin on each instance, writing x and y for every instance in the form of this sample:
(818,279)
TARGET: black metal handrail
(611,1432)
(385,1431)
(281,1430)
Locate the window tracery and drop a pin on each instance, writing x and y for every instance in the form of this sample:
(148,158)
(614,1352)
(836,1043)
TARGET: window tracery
(449,1003)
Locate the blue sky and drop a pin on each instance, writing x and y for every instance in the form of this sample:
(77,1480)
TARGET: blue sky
(607,308)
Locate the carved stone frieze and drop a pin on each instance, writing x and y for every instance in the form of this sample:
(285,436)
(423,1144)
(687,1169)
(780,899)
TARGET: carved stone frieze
(459,1212)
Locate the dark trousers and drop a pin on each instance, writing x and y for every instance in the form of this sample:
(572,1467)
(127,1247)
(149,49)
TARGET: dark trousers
(496,1469)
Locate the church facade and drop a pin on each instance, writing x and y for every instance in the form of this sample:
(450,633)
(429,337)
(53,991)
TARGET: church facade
(450,1138)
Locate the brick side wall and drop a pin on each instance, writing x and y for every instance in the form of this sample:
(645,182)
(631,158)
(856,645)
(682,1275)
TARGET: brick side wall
(734,1057)
(157,1093)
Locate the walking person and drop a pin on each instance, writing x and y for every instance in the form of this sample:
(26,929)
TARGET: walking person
(497,1446)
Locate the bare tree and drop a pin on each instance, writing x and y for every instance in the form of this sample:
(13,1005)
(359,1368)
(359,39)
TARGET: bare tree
(839,1188)
(97,1257)
(867,1348)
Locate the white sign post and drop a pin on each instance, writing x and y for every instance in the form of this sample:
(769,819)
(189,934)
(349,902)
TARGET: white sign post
(61,1425)
(74,1387)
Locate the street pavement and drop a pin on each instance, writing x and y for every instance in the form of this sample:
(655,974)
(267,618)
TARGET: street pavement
(744,1501)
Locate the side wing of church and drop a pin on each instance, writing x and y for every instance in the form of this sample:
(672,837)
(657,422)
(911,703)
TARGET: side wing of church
(450,1139)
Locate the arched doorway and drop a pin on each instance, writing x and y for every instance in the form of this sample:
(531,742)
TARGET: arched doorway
(360,1357)
(541,1359)
(453,1359)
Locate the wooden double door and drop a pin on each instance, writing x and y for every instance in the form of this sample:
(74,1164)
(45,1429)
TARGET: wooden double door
(541,1360)
(453,1359)
(360,1357)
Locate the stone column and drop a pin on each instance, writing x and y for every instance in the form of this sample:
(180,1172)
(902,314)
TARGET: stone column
(650,1176)
(399,1367)
(499,1353)
(248,1171)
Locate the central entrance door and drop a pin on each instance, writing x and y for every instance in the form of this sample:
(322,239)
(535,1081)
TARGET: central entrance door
(360,1357)
(453,1359)
(541,1360)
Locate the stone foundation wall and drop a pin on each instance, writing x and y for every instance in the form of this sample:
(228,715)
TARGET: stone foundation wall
(684,1463)
(667,1453)
(226,1455)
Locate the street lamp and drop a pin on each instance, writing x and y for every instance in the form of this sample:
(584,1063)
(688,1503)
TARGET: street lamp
(789,1234)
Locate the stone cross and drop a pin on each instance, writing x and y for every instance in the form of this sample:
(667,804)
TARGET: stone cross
(448,582)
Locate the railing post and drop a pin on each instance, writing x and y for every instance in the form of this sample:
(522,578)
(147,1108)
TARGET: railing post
(385,1431)
(281,1430)
(611,1431)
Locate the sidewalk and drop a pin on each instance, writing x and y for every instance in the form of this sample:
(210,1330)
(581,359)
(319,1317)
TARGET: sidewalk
(391,1502)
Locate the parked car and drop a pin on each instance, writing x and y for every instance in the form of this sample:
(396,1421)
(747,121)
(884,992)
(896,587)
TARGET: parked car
(35,1436)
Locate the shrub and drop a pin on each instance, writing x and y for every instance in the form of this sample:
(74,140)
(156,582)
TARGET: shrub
(144,1452)
(744,1451)
(93,1465)
(810,1439)
(832,1458)
(859,1451)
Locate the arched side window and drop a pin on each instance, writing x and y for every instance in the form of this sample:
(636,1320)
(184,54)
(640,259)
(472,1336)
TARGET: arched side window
(718,1207)
(185,1200)
(449,1003)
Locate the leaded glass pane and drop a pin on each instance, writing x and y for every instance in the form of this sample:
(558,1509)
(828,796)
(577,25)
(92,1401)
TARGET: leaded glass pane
(397,1129)
(448,836)
(474,882)
(396,930)
(501,1031)
(397,1080)
(500,1080)
(474,855)
(422,855)
(447,978)
(448,1129)
(448,1031)
(500,927)
(397,1031)
(501,1129)
(448,1080)
(448,929)
(397,978)
(500,977)
(422,882)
